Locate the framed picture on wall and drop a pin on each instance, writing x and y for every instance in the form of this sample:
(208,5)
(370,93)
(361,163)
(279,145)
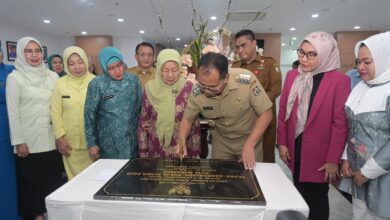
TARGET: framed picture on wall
(44,54)
(11,50)
(260,43)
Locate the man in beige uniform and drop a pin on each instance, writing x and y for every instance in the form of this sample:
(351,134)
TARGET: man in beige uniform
(144,54)
(268,73)
(236,106)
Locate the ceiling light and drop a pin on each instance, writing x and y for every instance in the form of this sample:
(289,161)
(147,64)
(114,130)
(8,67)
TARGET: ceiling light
(142,32)
(315,15)
(185,45)
(215,30)
(213,18)
(292,29)
(120,20)
(283,44)
(46,21)
(356,27)
(84,33)
(294,38)
(178,39)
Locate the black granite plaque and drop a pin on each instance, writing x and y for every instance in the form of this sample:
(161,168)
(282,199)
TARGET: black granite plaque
(190,180)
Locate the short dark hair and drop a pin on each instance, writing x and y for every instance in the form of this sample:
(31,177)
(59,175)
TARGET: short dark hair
(248,33)
(295,64)
(144,44)
(215,60)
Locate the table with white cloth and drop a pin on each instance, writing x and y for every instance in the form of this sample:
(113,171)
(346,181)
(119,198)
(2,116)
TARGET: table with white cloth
(74,200)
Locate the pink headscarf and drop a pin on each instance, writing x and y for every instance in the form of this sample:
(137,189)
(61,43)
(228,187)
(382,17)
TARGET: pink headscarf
(328,59)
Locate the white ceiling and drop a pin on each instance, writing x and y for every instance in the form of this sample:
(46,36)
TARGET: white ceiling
(98,17)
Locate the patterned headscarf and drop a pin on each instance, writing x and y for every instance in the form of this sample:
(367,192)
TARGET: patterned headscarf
(163,97)
(328,60)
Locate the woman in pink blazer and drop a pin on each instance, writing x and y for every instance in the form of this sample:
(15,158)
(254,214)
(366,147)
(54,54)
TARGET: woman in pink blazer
(312,126)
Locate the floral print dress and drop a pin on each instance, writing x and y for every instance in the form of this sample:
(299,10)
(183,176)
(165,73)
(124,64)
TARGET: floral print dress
(148,143)
(369,136)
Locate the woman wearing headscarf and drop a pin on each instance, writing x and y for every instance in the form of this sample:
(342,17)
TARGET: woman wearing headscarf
(39,166)
(112,109)
(56,64)
(312,126)
(368,114)
(67,111)
(163,105)
(8,209)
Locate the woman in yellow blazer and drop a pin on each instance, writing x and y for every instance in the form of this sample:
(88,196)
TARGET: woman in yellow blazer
(67,111)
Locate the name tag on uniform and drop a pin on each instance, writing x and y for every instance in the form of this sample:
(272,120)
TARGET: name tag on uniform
(66,96)
(207,108)
(244,78)
(2,84)
(108,97)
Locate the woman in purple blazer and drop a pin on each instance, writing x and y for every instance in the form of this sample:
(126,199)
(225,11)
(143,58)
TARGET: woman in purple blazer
(312,126)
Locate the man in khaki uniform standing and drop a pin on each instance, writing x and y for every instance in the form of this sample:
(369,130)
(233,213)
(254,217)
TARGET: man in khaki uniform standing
(144,54)
(268,73)
(236,106)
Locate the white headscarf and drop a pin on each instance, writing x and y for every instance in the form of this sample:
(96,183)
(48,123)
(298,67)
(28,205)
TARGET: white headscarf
(369,96)
(329,59)
(34,76)
(379,46)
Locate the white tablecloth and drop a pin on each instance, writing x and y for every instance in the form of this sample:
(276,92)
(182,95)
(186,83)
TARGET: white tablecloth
(75,200)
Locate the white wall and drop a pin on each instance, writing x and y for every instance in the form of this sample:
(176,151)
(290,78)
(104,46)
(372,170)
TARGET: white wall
(127,46)
(57,44)
(65,42)
(54,44)
(288,56)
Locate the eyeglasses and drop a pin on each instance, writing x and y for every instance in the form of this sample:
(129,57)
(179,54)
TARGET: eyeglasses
(311,55)
(31,51)
(145,55)
(211,89)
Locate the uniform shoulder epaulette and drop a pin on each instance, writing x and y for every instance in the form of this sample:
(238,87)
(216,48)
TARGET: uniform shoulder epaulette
(268,58)
(236,61)
(196,91)
(244,78)
(271,60)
